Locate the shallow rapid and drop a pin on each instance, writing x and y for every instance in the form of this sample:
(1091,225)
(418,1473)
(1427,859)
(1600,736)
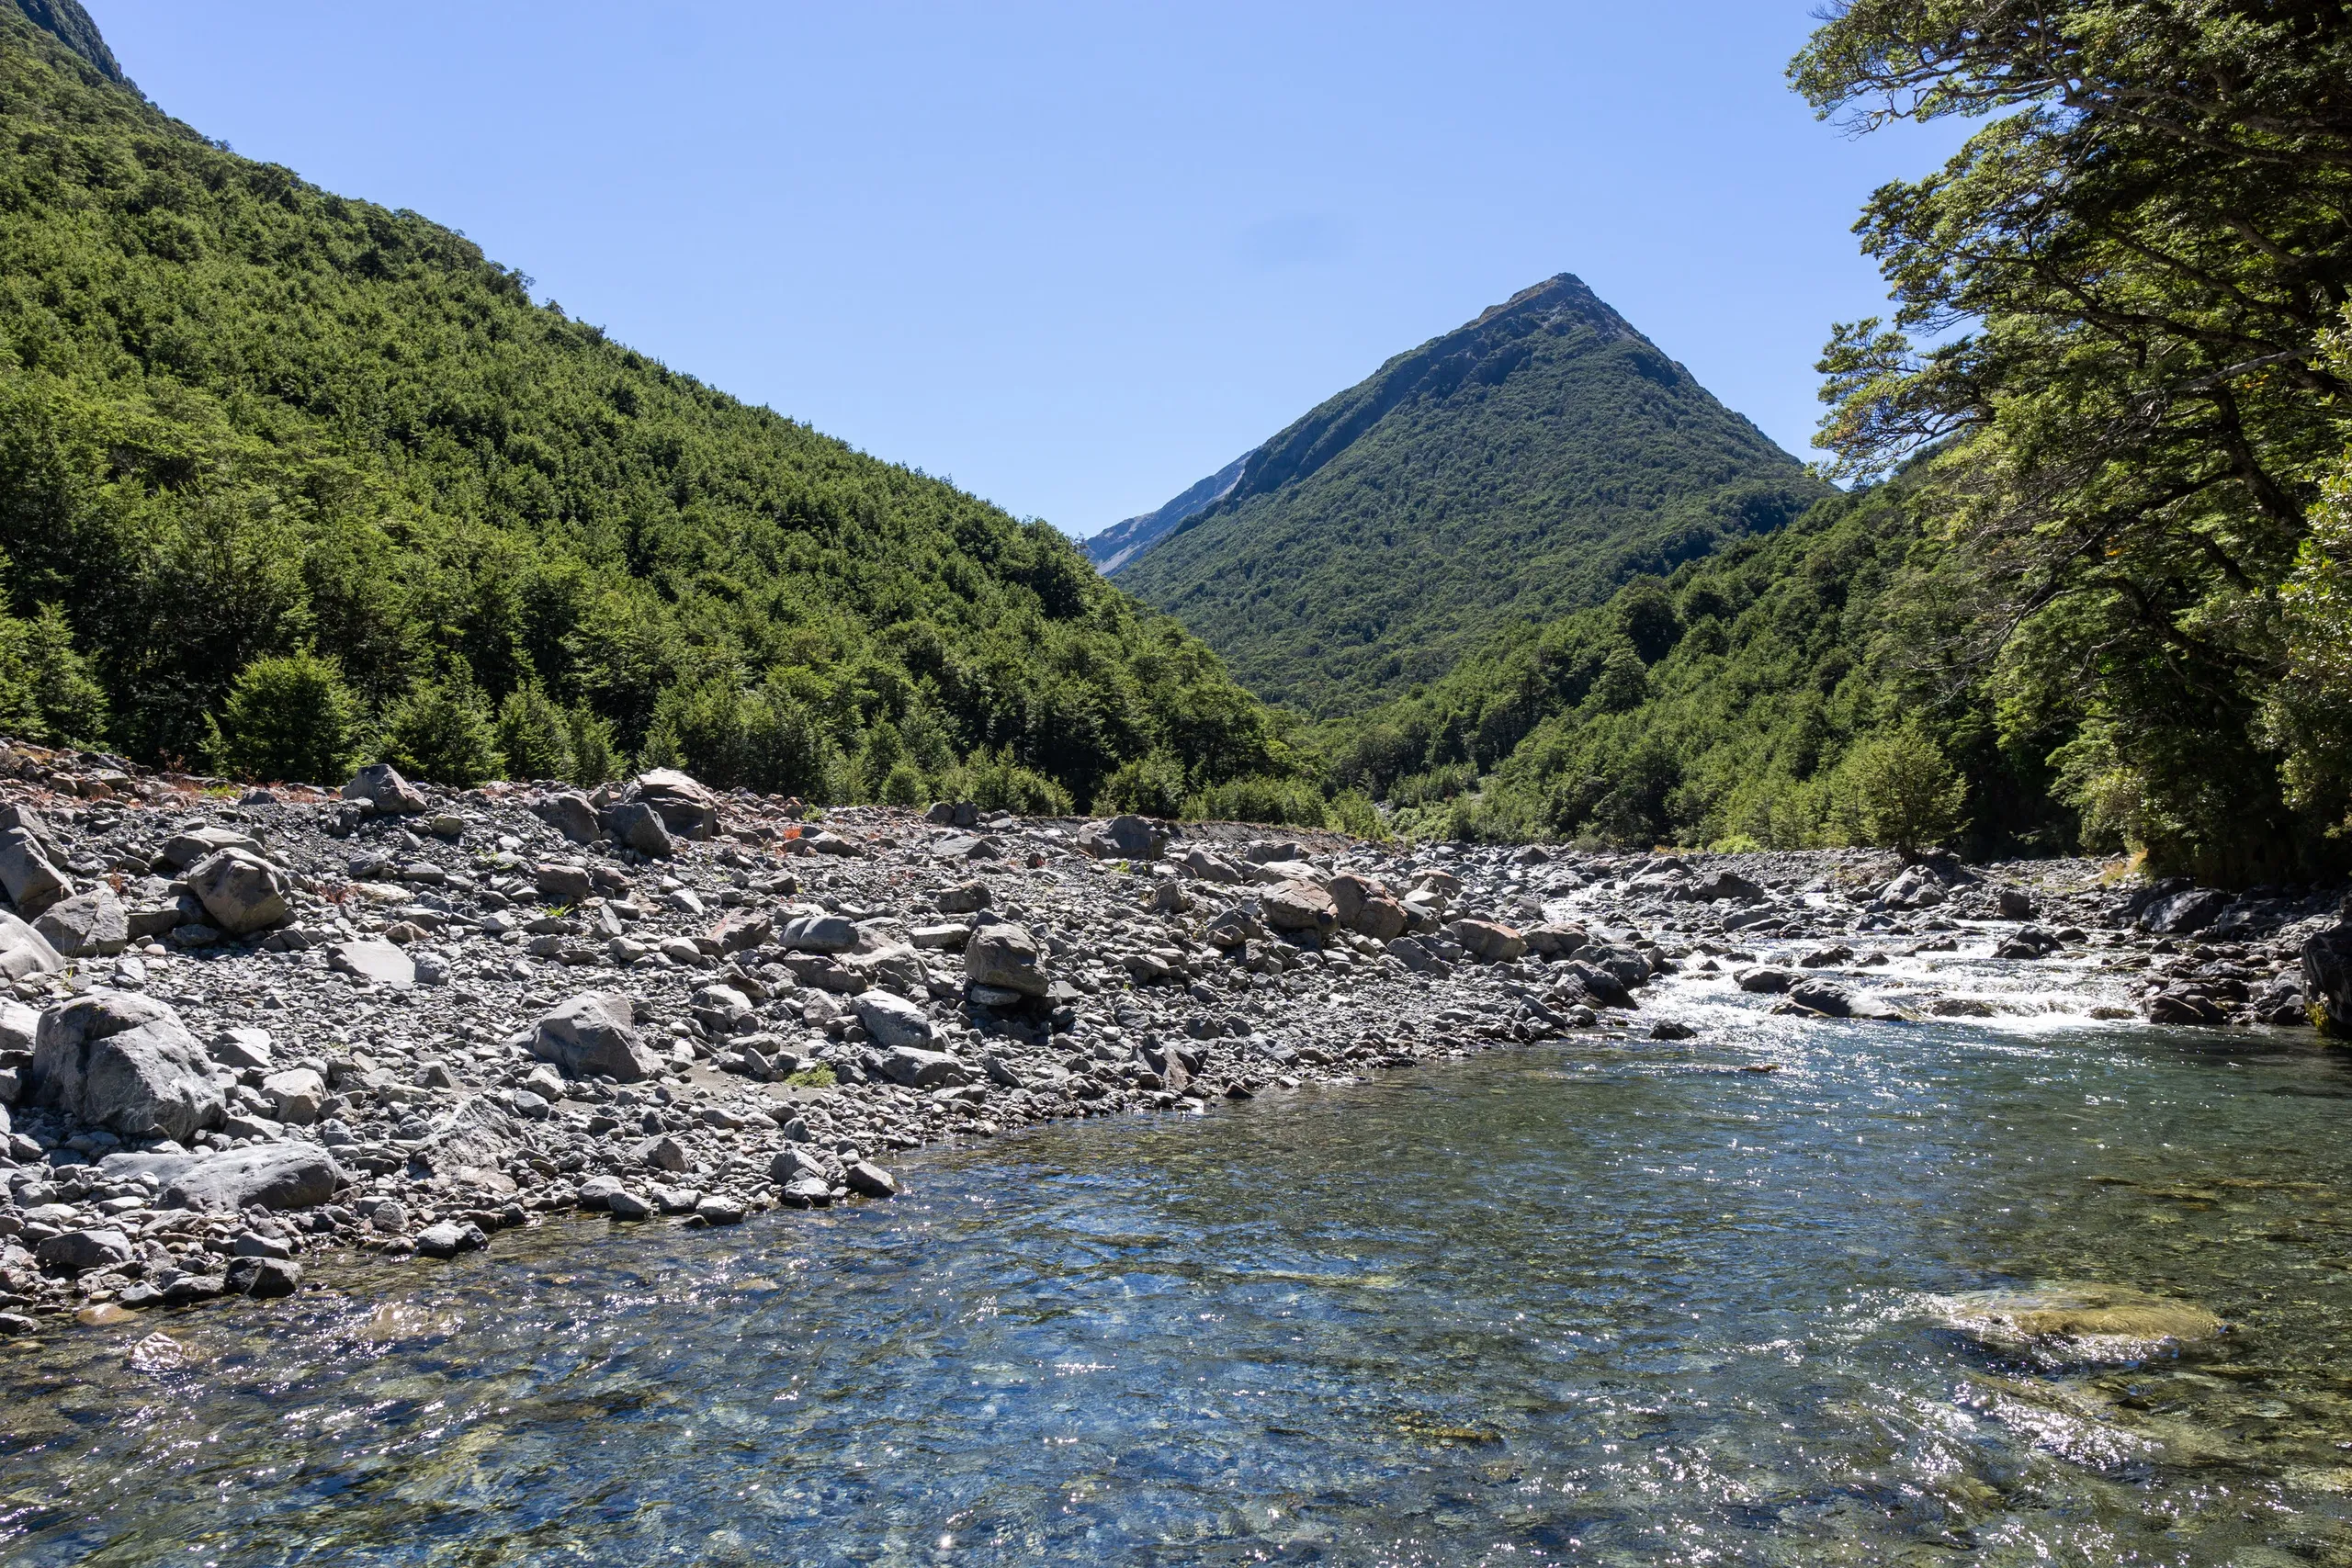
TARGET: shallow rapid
(1602,1301)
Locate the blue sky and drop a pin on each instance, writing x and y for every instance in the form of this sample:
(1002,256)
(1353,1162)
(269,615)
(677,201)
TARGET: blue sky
(1074,256)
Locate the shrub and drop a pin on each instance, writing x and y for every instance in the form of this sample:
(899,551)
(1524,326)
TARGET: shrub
(994,782)
(905,786)
(46,689)
(1150,786)
(1286,802)
(594,757)
(728,737)
(442,732)
(289,717)
(1905,794)
(534,734)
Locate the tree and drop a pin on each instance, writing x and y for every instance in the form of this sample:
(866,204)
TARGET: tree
(287,718)
(534,734)
(2129,272)
(47,692)
(1906,794)
(442,732)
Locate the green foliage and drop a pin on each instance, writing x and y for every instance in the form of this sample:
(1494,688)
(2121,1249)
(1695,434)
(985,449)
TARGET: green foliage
(442,732)
(1905,793)
(994,782)
(1792,655)
(242,417)
(534,734)
(2130,270)
(1150,786)
(289,717)
(1279,801)
(1517,468)
(46,689)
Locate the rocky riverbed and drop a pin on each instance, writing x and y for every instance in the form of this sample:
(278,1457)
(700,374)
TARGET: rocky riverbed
(248,1028)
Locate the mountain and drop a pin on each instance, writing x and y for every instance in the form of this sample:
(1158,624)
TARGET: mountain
(243,419)
(1515,468)
(1119,543)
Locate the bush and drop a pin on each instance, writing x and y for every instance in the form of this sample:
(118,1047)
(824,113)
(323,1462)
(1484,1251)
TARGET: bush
(594,756)
(1283,801)
(442,732)
(534,734)
(729,738)
(994,782)
(46,689)
(1352,812)
(1905,794)
(289,718)
(905,786)
(1149,787)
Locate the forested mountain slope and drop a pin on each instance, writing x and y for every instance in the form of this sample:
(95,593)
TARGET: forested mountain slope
(1517,468)
(242,417)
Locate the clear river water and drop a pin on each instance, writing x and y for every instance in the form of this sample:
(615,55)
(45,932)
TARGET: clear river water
(1603,1302)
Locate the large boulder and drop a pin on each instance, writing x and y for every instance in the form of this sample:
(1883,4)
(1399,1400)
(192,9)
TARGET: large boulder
(1554,941)
(562,882)
(594,1035)
(1124,837)
(2183,913)
(33,882)
(1298,907)
(374,959)
(1381,918)
(241,891)
(126,1063)
(685,808)
(569,814)
(78,1252)
(88,925)
(1494,943)
(818,934)
(382,787)
(24,952)
(2327,981)
(636,826)
(918,1068)
(1005,956)
(191,845)
(291,1175)
(893,1020)
(1348,892)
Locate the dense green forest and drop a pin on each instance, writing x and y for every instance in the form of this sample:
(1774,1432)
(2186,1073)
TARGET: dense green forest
(288,479)
(1521,465)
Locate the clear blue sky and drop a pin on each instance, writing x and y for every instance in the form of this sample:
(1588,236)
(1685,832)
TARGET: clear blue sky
(1075,256)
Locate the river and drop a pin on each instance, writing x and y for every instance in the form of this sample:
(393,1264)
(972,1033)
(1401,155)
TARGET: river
(1612,1301)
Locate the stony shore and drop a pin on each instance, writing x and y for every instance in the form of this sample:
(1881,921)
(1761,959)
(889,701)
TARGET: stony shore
(245,1028)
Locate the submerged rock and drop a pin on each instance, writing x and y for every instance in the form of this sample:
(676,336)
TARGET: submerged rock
(2077,1321)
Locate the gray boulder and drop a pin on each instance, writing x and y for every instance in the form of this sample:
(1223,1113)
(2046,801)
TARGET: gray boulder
(918,1068)
(818,934)
(290,1175)
(33,882)
(685,808)
(1298,907)
(636,826)
(24,952)
(373,959)
(1005,956)
(2183,913)
(592,1035)
(569,814)
(241,892)
(893,1020)
(191,846)
(562,882)
(382,787)
(2327,981)
(126,1063)
(1495,943)
(1818,995)
(88,925)
(78,1252)
(1124,837)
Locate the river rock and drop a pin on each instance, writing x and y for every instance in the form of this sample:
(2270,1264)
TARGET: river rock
(869,1181)
(241,892)
(288,1175)
(2327,981)
(964,898)
(685,808)
(372,959)
(24,952)
(1005,956)
(2183,913)
(1495,943)
(78,1252)
(893,1020)
(126,1063)
(1123,838)
(1765,981)
(569,814)
(449,1238)
(88,925)
(32,883)
(1816,995)
(818,934)
(636,826)
(382,787)
(2076,1320)
(562,882)
(1298,907)
(296,1094)
(919,1069)
(594,1035)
